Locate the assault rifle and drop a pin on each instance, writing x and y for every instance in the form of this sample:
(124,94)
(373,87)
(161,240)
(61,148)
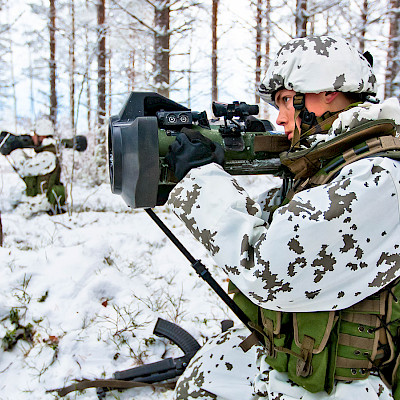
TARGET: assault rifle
(149,374)
(10,142)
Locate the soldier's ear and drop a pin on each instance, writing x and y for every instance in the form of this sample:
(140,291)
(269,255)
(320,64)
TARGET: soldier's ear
(330,96)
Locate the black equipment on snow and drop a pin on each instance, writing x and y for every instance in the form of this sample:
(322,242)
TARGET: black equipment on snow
(140,135)
(148,374)
(10,142)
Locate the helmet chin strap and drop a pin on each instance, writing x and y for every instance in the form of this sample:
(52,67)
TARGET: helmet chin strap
(309,123)
(299,104)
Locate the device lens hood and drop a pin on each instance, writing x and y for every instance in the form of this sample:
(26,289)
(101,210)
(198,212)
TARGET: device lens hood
(133,156)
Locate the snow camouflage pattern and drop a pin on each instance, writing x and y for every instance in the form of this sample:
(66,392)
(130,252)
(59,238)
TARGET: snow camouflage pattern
(317,254)
(220,370)
(389,109)
(41,164)
(299,63)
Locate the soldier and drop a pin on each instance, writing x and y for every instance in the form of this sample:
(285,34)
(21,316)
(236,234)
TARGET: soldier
(41,171)
(316,266)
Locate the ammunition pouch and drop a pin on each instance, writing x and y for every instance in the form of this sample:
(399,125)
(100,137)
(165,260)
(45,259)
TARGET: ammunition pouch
(317,348)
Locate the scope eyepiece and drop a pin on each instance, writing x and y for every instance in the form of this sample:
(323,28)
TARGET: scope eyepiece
(234,109)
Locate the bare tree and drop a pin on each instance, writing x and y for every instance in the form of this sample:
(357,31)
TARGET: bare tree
(392,84)
(259,20)
(301,18)
(109,84)
(53,65)
(214,52)
(267,34)
(131,70)
(72,66)
(101,63)
(161,45)
(11,67)
(88,63)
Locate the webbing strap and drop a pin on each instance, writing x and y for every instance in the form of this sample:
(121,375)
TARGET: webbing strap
(375,145)
(304,367)
(296,134)
(299,104)
(342,362)
(356,341)
(249,342)
(362,319)
(367,306)
(104,383)
(268,325)
(328,121)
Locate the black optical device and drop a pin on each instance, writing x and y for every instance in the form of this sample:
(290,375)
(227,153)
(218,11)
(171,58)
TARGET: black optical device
(140,135)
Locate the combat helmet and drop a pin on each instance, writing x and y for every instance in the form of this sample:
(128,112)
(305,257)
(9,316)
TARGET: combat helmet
(317,64)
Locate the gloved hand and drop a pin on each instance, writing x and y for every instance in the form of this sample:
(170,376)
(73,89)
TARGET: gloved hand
(190,150)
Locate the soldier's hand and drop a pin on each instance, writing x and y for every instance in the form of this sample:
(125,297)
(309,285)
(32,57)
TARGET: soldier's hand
(190,150)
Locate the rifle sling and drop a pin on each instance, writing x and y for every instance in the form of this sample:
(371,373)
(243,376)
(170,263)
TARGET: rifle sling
(105,383)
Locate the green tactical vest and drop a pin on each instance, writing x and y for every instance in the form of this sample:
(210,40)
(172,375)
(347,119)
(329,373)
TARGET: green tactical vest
(317,348)
(49,184)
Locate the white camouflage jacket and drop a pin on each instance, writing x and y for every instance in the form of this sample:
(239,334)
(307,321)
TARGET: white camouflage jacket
(330,247)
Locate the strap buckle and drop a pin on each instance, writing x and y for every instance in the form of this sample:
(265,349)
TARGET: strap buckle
(304,367)
(299,101)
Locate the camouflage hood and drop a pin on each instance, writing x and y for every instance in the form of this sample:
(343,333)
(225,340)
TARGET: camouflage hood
(355,116)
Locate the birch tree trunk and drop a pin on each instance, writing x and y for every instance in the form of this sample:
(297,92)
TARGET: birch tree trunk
(214,51)
(364,22)
(101,63)
(88,75)
(392,84)
(72,67)
(161,46)
(53,65)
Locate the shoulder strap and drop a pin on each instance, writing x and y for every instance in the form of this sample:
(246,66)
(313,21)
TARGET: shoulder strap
(374,147)
(306,163)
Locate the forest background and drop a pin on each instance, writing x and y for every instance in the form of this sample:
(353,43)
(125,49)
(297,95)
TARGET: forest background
(75,61)
(86,287)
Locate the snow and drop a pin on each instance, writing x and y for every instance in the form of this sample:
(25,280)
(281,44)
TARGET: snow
(92,282)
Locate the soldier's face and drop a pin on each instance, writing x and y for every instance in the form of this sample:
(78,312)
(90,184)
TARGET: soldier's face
(315,102)
(284,102)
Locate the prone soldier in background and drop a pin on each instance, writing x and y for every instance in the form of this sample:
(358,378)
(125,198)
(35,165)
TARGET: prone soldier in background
(40,172)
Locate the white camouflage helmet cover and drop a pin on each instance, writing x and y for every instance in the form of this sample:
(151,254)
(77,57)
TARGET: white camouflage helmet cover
(317,64)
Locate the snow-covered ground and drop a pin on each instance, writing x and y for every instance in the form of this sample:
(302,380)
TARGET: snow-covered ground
(92,284)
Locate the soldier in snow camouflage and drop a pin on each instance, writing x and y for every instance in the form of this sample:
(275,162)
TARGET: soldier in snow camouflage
(318,271)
